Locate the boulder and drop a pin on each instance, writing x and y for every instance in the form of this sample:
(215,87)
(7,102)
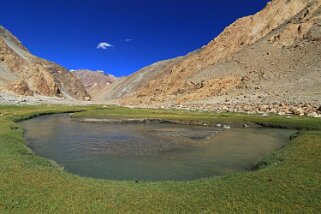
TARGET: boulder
(281,113)
(313,114)
(295,110)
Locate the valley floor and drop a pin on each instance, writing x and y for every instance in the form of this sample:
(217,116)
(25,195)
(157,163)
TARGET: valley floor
(287,181)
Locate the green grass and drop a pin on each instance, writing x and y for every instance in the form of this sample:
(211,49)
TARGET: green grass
(287,181)
(294,122)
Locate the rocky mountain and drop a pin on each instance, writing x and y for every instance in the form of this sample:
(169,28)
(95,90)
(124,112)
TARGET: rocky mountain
(129,85)
(94,81)
(22,73)
(271,57)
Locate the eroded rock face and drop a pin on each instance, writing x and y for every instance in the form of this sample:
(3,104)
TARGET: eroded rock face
(25,74)
(272,56)
(20,88)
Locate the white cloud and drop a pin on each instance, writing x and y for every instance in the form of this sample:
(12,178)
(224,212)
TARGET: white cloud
(128,40)
(104,45)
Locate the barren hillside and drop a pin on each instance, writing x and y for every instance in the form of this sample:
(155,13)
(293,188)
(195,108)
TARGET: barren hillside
(94,80)
(25,74)
(272,56)
(127,86)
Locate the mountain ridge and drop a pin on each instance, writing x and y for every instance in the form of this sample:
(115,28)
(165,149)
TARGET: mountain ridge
(94,81)
(257,60)
(24,74)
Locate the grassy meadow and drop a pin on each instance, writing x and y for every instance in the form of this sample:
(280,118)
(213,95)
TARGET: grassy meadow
(287,181)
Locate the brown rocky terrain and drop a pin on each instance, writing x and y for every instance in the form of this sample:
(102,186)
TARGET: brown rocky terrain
(22,73)
(268,62)
(94,81)
(129,85)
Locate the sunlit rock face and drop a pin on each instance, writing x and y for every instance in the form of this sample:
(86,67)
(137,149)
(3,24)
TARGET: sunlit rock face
(25,74)
(254,60)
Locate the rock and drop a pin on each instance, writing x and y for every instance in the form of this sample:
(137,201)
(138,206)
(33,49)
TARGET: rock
(314,114)
(281,113)
(246,126)
(296,110)
(226,127)
(247,108)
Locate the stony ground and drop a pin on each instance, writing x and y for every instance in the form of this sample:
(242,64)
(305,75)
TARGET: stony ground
(279,108)
(13,99)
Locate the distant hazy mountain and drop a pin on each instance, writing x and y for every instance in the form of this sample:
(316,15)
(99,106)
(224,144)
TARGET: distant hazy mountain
(25,74)
(94,80)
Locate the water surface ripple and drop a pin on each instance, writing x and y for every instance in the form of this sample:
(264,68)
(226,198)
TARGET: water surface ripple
(153,152)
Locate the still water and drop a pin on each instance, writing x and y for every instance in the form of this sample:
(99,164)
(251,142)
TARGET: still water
(153,152)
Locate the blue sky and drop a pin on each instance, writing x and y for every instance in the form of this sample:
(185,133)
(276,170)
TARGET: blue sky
(132,33)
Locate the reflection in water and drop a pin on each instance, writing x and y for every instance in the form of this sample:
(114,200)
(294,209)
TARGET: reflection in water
(149,151)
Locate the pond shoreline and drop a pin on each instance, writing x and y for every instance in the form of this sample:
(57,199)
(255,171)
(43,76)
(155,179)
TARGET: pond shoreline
(166,121)
(160,141)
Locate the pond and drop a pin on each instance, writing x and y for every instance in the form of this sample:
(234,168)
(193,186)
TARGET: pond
(149,151)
